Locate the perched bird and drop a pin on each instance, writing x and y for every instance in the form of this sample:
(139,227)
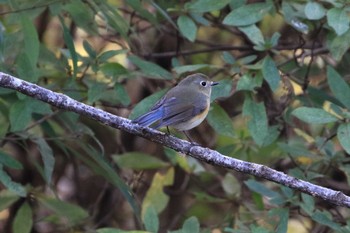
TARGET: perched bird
(183,107)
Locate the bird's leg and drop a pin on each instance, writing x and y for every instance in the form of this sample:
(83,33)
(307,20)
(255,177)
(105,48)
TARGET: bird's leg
(189,138)
(167,128)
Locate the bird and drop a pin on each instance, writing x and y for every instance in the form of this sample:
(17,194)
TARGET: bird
(183,107)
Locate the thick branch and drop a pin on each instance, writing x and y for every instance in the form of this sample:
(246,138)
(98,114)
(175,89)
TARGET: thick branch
(207,155)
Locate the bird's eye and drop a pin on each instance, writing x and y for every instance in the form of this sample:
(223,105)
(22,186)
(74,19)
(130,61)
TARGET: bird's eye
(203,83)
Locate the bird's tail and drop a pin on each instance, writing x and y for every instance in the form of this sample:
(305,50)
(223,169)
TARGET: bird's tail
(148,118)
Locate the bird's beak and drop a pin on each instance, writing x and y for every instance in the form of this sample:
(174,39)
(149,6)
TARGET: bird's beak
(214,83)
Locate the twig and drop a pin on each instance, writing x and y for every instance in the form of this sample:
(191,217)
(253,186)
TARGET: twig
(204,154)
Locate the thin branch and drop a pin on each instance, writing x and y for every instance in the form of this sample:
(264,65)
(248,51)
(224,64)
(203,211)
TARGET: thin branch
(204,154)
(223,48)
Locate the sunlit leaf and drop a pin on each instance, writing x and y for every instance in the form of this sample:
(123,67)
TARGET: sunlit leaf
(155,195)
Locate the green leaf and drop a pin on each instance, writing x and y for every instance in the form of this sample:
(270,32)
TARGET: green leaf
(231,185)
(325,218)
(187,27)
(249,81)
(339,20)
(257,124)
(105,56)
(253,33)
(11,185)
(259,229)
(191,225)
(122,95)
(82,15)
(344,136)
(144,105)
(222,90)
(139,8)
(190,68)
(37,106)
(25,69)
(138,161)
(114,230)
(7,198)
(308,204)
(151,69)
(258,187)
(151,220)
(340,45)
(96,91)
(338,86)
(155,195)
(31,42)
(89,49)
(70,212)
(9,161)
(47,157)
(101,167)
(228,58)
(271,73)
(23,222)
(314,115)
(247,14)
(283,215)
(70,45)
(207,5)
(20,115)
(220,121)
(113,69)
(314,11)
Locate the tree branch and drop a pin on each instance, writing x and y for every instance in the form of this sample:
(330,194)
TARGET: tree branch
(204,154)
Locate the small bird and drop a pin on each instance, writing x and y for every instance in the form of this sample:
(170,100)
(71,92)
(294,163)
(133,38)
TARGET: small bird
(183,107)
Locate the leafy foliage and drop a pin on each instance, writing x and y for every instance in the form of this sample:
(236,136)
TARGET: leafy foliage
(283,100)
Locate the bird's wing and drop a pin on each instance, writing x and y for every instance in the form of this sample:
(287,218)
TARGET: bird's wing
(176,111)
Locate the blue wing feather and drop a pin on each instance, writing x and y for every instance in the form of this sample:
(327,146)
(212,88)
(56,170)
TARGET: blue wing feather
(150,117)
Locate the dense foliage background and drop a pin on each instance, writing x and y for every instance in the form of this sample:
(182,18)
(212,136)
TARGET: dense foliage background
(283,101)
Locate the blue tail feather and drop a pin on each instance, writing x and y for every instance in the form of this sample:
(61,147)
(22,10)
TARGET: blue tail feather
(149,118)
